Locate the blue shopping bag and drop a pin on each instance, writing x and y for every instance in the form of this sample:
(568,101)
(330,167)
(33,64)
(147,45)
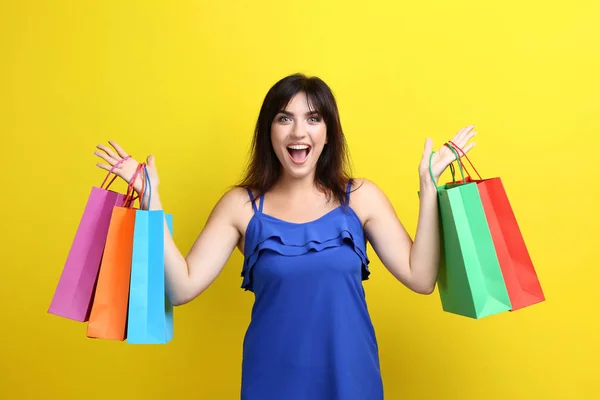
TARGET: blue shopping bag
(150,314)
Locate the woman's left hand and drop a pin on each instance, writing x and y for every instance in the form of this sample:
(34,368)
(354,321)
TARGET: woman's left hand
(444,156)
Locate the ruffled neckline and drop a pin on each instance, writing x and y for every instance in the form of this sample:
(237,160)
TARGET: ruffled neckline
(263,215)
(338,227)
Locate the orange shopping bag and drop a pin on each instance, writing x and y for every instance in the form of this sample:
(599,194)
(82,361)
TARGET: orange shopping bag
(108,317)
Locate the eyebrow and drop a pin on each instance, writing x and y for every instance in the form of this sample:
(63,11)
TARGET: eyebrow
(291,114)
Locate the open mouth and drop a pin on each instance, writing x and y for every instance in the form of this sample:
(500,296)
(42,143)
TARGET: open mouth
(298,152)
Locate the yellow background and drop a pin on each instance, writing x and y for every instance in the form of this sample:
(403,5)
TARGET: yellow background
(184,80)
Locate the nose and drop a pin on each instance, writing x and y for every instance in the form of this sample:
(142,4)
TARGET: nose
(298,131)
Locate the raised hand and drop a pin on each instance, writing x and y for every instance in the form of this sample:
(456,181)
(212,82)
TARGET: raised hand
(127,168)
(444,156)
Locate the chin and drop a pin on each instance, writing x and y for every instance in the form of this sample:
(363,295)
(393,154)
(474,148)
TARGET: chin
(296,171)
(297,174)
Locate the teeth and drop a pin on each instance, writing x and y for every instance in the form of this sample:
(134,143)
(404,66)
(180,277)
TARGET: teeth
(298,147)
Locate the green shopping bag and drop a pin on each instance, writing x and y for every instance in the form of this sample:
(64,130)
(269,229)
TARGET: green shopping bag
(470,281)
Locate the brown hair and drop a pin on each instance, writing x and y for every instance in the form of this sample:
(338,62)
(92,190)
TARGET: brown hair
(332,170)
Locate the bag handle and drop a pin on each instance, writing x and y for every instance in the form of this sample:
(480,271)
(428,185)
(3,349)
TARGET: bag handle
(467,157)
(129,196)
(148,184)
(111,171)
(460,165)
(452,170)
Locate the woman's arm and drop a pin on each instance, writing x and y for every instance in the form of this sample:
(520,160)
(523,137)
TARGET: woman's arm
(187,277)
(415,264)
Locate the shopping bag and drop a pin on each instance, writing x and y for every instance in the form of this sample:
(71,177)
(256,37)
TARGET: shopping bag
(108,316)
(470,281)
(150,315)
(522,282)
(74,292)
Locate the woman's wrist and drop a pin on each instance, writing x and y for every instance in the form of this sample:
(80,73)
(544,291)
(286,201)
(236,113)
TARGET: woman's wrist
(153,198)
(427,184)
(155,203)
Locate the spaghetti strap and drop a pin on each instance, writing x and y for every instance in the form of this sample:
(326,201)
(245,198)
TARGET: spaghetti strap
(253,201)
(348,190)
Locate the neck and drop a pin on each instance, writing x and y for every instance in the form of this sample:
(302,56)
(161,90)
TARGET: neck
(295,186)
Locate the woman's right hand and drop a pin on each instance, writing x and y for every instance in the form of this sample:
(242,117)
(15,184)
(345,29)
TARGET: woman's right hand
(127,168)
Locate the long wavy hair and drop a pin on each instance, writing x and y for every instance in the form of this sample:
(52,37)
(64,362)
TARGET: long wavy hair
(333,167)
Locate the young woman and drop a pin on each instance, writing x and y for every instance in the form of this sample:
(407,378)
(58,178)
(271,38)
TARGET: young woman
(302,224)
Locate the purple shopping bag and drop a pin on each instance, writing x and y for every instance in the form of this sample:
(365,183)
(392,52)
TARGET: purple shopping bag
(74,293)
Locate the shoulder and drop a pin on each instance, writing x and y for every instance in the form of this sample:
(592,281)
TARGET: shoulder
(367,199)
(235,206)
(235,197)
(365,190)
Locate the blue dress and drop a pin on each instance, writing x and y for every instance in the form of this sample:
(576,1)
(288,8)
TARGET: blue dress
(310,335)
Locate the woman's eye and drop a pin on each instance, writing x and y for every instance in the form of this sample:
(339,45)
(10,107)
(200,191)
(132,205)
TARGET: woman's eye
(315,119)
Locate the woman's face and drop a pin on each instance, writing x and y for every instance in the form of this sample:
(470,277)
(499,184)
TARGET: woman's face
(298,136)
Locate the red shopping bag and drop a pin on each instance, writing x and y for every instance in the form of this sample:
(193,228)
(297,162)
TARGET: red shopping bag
(522,283)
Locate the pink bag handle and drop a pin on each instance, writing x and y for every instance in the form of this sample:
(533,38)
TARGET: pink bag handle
(110,172)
